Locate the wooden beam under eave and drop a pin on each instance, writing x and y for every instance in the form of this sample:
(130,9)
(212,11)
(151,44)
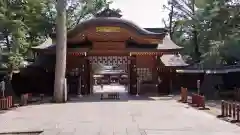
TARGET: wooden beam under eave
(108,53)
(146,53)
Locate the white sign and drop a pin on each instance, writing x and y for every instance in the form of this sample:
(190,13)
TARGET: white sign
(198,84)
(2,84)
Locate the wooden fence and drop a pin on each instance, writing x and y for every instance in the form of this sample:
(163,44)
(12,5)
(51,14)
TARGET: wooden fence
(197,100)
(230,110)
(6,103)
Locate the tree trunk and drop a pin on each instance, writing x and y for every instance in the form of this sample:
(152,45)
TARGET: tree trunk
(195,36)
(171,21)
(60,68)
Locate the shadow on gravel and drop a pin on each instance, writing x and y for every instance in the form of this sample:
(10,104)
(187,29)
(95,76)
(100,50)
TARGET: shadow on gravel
(23,133)
(97,98)
(124,97)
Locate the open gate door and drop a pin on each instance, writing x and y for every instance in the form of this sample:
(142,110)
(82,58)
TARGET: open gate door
(133,75)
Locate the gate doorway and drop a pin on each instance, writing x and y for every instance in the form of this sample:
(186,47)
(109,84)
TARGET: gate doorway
(109,74)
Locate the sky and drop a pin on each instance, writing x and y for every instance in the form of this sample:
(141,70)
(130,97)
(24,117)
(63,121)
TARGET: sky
(145,13)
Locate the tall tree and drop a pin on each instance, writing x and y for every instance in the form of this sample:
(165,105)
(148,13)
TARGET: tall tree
(61,48)
(13,31)
(216,23)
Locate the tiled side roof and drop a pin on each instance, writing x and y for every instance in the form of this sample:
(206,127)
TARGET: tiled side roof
(219,70)
(168,44)
(172,60)
(45,45)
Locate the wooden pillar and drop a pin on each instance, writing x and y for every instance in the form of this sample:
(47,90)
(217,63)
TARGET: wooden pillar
(170,82)
(172,77)
(83,81)
(155,73)
(85,77)
(158,74)
(133,75)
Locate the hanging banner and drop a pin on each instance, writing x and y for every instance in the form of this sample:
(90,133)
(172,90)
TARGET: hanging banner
(108,29)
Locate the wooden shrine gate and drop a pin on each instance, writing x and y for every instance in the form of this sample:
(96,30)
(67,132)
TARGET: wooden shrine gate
(127,63)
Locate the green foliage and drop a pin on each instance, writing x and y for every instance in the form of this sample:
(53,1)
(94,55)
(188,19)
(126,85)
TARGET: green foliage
(15,60)
(26,23)
(217,23)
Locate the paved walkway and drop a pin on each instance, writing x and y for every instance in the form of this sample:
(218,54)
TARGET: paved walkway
(109,88)
(127,117)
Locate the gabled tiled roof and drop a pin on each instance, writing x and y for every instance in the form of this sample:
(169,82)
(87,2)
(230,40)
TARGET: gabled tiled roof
(168,44)
(172,60)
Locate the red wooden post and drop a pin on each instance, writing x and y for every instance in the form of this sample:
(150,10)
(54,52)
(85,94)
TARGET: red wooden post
(29,96)
(24,99)
(203,102)
(222,108)
(197,100)
(226,107)
(194,99)
(6,103)
(181,94)
(238,109)
(1,102)
(230,109)
(41,97)
(11,99)
(234,110)
(193,102)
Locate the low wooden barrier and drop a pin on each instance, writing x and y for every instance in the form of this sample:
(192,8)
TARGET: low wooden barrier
(6,103)
(184,95)
(198,101)
(237,94)
(42,97)
(230,110)
(114,95)
(29,96)
(24,99)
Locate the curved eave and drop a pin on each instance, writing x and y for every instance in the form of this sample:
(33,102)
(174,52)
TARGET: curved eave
(170,50)
(51,47)
(48,44)
(103,21)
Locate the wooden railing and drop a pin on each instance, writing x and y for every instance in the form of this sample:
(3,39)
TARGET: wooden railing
(237,94)
(184,95)
(198,101)
(112,95)
(24,99)
(6,103)
(231,111)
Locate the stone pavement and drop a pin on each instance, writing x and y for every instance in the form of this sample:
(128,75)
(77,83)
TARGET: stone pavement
(127,117)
